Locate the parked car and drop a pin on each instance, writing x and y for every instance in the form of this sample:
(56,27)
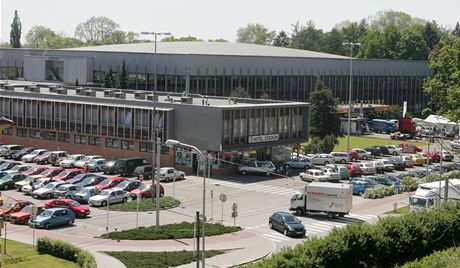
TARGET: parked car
(382,149)
(79,210)
(8,165)
(18,155)
(70,161)
(446,155)
(91,181)
(392,149)
(265,167)
(66,190)
(286,223)
(313,175)
(56,157)
(96,165)
(8,181)
(47,191)
(84,194)
(18,185)
(455,144)
(363,154)
(144,170)
(85,160)
(43,158)
(300,162)
(28,158)
(111,196)
(53,217)
(13,206)
(367,168)
(341,169)
(128,185)
(331,173)
(79,178)
(322,159)
(23,216)
(340,157)
(355,170)
(387,181)
(34,170)
(388,165)
(435,157)
(110,183)
(408,160)
(145,190)
(418,160)
(407,147)
(352,155)
(8,150)
(168,173)
(124,166)
(374,151)
(379,167)
(398,162)
(359,186)
(67,174)
(16,169)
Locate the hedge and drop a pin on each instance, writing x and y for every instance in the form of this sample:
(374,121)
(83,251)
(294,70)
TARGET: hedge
(391,241)
(67,251)
(445,258)
(379,192)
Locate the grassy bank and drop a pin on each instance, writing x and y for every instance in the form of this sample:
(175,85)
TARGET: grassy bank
(363,141)
(146,204)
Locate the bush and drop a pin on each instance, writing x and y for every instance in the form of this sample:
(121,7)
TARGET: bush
(67,251)
(391,241)
(409,184)
(379,192)
(446,258)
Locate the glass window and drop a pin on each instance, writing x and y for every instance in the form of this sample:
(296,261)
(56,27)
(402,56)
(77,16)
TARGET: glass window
(96,141)
(35,134)
(49,135)
(112,143)
(7,131)
(145,146)
(21,132)
(127,145)
(64,137)
(80,139)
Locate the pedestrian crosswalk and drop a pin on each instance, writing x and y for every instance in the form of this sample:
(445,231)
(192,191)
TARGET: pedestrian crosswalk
(257,187)
(313,228)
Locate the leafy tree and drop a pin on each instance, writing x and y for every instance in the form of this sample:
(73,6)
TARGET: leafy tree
(180,39)
(123,76)
(221,40)
(333,42)
(108,78)
(371,45)
(411,46)
(255,34)
(352,31)
(5,45)
(381,20)
(307,37)
(96,29)
(239,92)
(391,37)
(324,119)
(15,34)
(281,40)
(121,37)
(456,30)
(40,37)
(443,87)
(426,112)
(431,34)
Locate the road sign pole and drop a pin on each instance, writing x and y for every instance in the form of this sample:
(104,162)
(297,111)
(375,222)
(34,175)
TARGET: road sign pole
(137,210)
(212,205)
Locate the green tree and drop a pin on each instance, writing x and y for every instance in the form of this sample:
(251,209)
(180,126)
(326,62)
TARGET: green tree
(108,78)
(220,40)
(324,119)
(95,30)
(426,112)
(352,31)
(281,40)
(239,92)
(333,42)
(5,45)
(180,39)
(123,76)
(411,46)
(381,20)
(456,30)
(431,34)
(443,87)
(40,37)
(121,37)
(255,34)
(307,37)
(15,34)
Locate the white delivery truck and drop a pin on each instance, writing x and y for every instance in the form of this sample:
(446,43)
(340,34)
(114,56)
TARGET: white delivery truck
(429,195)
(334,199)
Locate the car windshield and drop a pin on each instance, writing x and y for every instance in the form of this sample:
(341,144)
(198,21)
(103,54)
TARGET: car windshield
(74,204)
(368,165)
(34,152)
(16,168)
(123,184)
(291,219)
(86,158)
(94,161)
(46,154)
(23,151)
(27,209)
(142,187)
(30,170)
(46,172)
(87,180)
(386,162)
(63,174)
(47,213)
(62,188)
(71,157)
(39,182)
(4,165)
(418,201)
(105,182)
(7,177)
(105,193)
(50,186)
(163,170)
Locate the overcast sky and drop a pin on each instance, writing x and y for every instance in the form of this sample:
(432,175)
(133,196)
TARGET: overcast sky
(211,19)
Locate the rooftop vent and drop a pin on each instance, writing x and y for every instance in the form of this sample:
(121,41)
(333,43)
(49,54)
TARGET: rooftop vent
(90,93)
(139,95)
(52,89)
(32,88)
(152,97)
(62,91)
(9,88)
(80,91)
(119,95)
(108,93)
(186,100)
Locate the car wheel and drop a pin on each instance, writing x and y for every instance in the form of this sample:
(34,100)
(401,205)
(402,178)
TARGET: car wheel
(343,161)
(299,212)
(285,232)
(243,172)
(182,177)
(48,196)
(326,162)
(167,179)
(5,187)
(330,215)
(125,200)
(104,203)
(46,226)
(395,153)
(68,197)
(97,169)
(364,157)
(268,173)
(270,225)
(162,194)
(360,193)
(70,223)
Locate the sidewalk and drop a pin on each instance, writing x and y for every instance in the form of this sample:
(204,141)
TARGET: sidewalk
(242,247)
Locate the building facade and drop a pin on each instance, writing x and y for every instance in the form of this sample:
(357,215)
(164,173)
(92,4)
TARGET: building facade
(216,69)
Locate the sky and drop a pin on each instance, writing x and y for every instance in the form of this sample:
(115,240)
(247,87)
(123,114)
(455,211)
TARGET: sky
(212,19)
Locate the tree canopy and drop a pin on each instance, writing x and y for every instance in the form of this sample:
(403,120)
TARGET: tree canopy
(43,37)
(324,119)
(96,29)
(180,39)
(255,34)
(15,33)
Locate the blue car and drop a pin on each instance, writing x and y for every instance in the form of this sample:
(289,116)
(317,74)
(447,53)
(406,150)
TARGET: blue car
(360,186)
(84,194)
(388,180)
(53,217)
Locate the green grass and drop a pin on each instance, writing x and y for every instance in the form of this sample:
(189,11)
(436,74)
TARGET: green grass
(169,231)
(158,259)
(146,204)
(20,255)
(362,142)
(401,210)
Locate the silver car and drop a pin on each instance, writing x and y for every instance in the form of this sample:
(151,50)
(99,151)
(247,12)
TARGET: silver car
(367,168)
(70,161)
(48,191)
(322,159)
(27,189)
(112,196)
(67,191)
(304,162)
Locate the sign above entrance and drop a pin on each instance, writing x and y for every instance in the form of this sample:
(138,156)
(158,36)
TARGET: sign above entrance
(263,138)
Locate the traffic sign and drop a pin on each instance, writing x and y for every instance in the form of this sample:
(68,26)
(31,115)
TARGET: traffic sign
(234,214)
(223,197)
(34,211)
(234,207)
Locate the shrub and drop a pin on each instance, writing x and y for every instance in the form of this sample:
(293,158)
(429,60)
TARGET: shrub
(379,192)
(409,184)
(67,251)
(446,258)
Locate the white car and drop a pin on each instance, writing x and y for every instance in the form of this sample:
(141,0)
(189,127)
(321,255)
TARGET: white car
(303,162)
(109,195)
(379,167)
(314,175)
(81,163)
(408,160)
(455,144)
(340,157)
(70,161)
(28,158)
(48,191)
(333,176)
(367,168)
(27,189)
(266,167)
(322,159)
(67,191)
(363,154)
(388,165)
(169,174)
(392,149)
(96,164)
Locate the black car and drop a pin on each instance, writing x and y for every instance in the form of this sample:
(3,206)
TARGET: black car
(144,170)
(286,223)
(383,149)
(124,166)
(8,181)
(374,151)
(90,181)
(398,163)
(18,155)
(128,185)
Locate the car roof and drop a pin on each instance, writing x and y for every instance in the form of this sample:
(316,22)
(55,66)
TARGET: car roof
(56,209)
(283,213)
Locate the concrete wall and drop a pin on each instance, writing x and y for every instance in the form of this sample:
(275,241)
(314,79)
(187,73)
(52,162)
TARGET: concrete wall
(34,68)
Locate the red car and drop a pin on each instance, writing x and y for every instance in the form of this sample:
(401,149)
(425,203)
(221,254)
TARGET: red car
(110,183)
(68,174)
(51,172)
(23,216)
(43,158)
(12,207)
(77,208)
(352,155)
(435,157)
(144,191)
(34,170)
(355,170)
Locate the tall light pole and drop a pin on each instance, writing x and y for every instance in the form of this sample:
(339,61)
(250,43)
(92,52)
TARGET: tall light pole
(174,143)
(351,44)
(156,140)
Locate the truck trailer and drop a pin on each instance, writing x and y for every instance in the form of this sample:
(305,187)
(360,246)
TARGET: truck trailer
(334,199)
(430,195)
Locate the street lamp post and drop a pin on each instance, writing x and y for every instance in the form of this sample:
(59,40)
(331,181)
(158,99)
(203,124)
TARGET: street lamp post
(175,143)
(156,141)
(351,44)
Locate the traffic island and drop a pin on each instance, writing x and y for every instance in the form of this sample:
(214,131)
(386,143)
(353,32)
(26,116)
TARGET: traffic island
(145,204)
(158,259)
(169,231)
